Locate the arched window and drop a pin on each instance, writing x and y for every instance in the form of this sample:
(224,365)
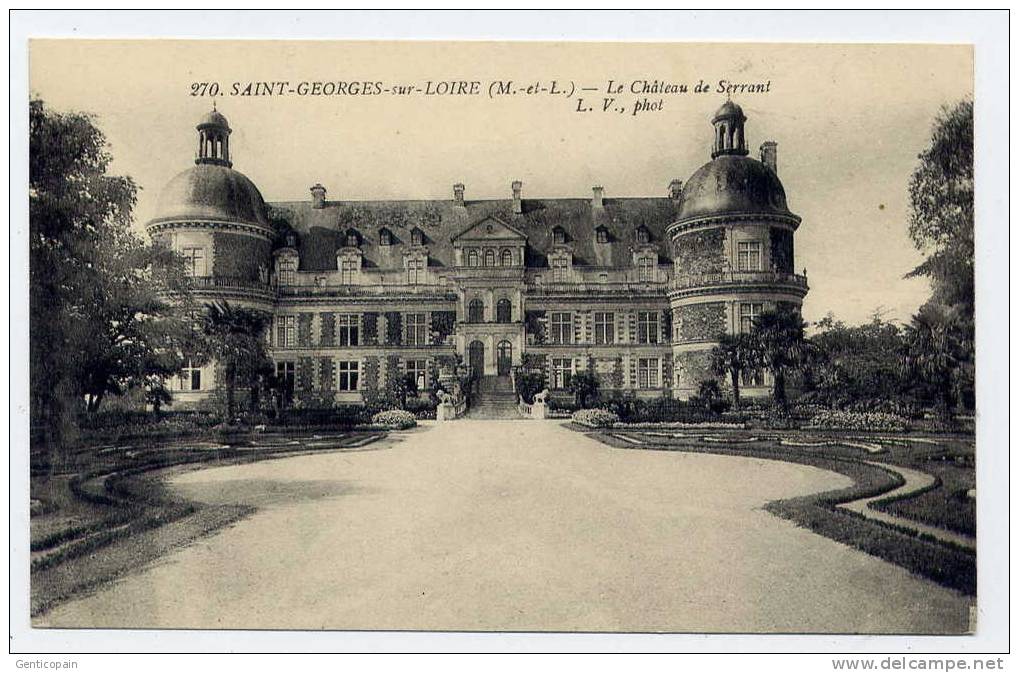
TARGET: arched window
(476,311)
(489,257)
(353,239)
(385,237)
(601,235)
(558,235)
(472,258)
(417,237)
(507,257)
(643,236)
(504,311)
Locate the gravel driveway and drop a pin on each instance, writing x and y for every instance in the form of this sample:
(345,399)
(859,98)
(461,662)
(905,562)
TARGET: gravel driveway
(516,525)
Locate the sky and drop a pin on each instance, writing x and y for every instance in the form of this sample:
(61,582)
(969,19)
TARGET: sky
(849,121)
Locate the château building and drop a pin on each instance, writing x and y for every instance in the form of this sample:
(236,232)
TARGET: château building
(635,290)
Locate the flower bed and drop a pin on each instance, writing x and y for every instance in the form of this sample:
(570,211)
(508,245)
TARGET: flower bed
(834,419)
(677,424)
(394,419)
(595,418)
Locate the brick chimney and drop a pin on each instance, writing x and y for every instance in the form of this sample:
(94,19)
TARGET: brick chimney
(458,194)
(318,196)
(518,207)
(676,189)
(769,155)
(597,197)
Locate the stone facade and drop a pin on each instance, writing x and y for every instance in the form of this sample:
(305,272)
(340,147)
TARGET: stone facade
(632,290)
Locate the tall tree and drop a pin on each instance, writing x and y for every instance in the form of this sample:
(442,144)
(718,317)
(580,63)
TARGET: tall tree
(778,340)
(97,322)
(734,354)
(941,226)
(235,339)
(941,202)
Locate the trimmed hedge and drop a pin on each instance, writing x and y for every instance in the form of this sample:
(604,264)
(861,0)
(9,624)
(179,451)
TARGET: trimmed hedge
(397,419)
(595,418)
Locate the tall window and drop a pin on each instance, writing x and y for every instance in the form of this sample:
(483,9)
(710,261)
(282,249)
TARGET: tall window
(286,331)
(647,372)
(472,258)
(503,310)
(489,257)
(190,377)
(418,369)
(287,271)
(748,256)
(561,331)
(647,327)
(604,328)
(417,329)
(415,270)
(507,258)
(348,271)
(194,261)
(747,315)
(562,372)
(348,374)
(476,311)
(645,270)
(285,372)
(560,269)
(348,329)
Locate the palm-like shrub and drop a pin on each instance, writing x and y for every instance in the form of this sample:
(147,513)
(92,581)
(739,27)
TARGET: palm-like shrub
(734,354)
(777,338)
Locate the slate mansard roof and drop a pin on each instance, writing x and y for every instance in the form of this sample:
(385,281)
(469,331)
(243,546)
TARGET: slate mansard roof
(322,231)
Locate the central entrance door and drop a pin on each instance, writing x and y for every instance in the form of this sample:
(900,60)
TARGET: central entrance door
(504,358)
(476,358)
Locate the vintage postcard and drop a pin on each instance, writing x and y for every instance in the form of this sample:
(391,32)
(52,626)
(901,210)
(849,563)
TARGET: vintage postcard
(502,336)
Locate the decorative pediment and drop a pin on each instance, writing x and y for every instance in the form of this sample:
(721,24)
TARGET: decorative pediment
(490,229)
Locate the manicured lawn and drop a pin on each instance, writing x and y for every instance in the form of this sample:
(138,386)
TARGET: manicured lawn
(114,494)
(949,458)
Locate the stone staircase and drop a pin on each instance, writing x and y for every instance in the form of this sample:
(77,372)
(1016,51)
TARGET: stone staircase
(494,399)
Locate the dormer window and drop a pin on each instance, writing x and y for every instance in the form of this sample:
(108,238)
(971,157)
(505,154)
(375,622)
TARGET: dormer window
(353,239)
(291,240)
(558,235)
(601,235)
(417,237)
(643,235)
(385,237)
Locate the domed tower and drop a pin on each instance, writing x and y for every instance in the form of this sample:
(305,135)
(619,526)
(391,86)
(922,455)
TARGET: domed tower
(733,251)
(215,217)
